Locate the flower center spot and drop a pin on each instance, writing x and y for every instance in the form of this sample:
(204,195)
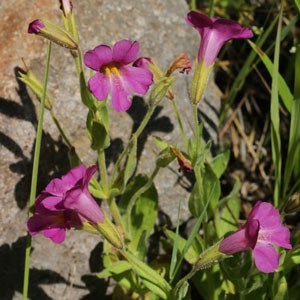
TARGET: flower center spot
(110,70)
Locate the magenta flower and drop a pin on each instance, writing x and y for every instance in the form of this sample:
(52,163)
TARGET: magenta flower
(35,26)
(65,203)
(214,33)
(262,231)
(113,73)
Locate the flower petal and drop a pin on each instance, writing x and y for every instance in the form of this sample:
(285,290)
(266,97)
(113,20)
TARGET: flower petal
(228,30)
(88,176)
(267,215)
(40,222)
(138,79)
(120,96)
(104,54)
(235,242)
(91,60)
(198,21)
(50,203)
(84,205)
(266,258)
(56,187)
(74,176)
(252,232)
(125,51)
(97,57)
(99,85)
(279,236)
(57,235)
(143,62)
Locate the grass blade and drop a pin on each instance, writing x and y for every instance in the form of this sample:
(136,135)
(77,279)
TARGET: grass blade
(275,118)
(175,247)
(35,168)
(293,157)
(194,231)
(284,90)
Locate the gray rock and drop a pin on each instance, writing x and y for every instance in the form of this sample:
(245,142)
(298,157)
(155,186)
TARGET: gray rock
(160,28)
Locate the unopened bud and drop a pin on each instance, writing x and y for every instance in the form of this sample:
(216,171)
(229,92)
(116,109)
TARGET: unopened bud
(110,232)
(53,33)
(180,62)
(210,257)
(293,204)
(143,62)
(184,163)
(66,6)
(160,90)
(35,85)
(199,81)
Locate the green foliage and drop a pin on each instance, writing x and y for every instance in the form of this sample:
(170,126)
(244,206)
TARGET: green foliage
(139,217)
(199,197)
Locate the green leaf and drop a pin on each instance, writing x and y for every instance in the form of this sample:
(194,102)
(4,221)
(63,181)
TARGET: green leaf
(150,277)
(292,260)
(97,125)
(293,158)
(197,201)
(131,161)
(100,137)
(160,143)
(191,255)
(281,289)
(139,217)
(184,292)
(175,241)
(165,157)
(220,162)
(86,96)
(195,229)
(283,88)
(115,269)
(297,2)
(96,190)
(226,219)
(275,117)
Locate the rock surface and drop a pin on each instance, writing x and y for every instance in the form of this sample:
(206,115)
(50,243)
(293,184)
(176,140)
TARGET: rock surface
(66,271)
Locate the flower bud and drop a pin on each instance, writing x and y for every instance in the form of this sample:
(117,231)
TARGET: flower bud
(199,81)
(184,163)
(160,89)
(31,81)
(180,62)
(110,232)
(293,204)
(53,33)
(66,6)
(209,257)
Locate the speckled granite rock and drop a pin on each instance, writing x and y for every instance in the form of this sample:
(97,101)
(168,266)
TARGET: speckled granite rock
(65,271)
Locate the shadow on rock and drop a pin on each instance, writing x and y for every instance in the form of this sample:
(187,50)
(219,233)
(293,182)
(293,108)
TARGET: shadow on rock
(53,161)
(95,285)
(12,269)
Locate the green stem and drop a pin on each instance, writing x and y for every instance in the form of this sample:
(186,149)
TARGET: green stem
(180,123)
(115,212)
(111,201)
(184,279)
(102,170)
(211,8)
(56,122)
(35,168)
(134,136)
(197,133)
